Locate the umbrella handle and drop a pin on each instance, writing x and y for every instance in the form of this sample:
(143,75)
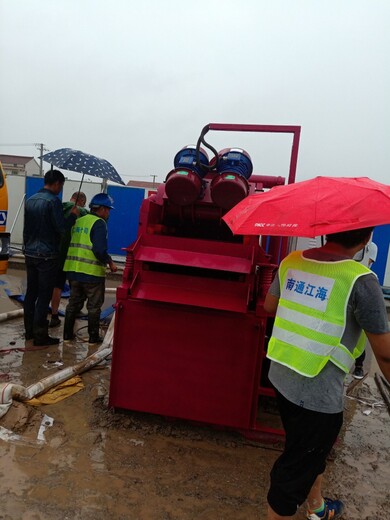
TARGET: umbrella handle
(77,198)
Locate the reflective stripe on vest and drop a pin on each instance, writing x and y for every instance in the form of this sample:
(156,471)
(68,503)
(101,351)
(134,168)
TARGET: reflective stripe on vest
(80,257)
(311,316)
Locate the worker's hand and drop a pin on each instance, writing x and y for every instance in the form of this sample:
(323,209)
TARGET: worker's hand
(75,211)
(380,344)
(113,267)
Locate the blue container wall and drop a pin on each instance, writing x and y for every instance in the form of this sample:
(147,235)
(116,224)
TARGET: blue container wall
(34,184)
(381,238)
(124,219)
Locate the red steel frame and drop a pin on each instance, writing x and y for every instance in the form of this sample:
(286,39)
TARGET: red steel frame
(190,332)
(279,246)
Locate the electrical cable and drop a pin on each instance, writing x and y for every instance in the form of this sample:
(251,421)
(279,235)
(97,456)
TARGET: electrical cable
(201,140)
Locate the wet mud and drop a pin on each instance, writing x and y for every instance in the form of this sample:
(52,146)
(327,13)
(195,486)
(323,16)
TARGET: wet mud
(95,463)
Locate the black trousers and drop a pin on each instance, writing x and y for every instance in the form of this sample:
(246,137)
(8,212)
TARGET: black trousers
(41,275)
(309,438)
(360,360)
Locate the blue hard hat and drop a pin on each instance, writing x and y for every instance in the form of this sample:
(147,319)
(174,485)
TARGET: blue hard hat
(102,199)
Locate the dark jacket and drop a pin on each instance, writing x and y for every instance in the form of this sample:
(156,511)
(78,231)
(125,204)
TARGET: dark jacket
(65,239)
(44,224)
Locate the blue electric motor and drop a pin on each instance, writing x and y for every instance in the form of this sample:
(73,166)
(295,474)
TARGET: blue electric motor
(183,185)
(230,184)
(186,158)
(235,160)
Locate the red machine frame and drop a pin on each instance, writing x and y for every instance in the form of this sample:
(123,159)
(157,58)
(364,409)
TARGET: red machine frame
(191,332)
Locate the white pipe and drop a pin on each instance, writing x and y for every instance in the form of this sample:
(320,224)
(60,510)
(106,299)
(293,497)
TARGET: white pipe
(9,391)
(83,366)
(109,337)
(17,213)
(65,374)
(4,316)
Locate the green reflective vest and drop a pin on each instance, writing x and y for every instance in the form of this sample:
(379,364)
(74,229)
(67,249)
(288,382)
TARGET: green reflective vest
(80,257)
(311,315)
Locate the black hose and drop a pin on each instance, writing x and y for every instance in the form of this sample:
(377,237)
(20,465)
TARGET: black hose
(201,140)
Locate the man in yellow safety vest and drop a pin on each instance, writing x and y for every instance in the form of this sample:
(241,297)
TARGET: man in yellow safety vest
(85,265)
(323,300)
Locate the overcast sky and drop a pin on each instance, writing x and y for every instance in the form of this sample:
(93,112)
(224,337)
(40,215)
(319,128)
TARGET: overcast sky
(134,81)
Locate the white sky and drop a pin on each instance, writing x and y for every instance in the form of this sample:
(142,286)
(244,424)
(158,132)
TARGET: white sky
(134,81)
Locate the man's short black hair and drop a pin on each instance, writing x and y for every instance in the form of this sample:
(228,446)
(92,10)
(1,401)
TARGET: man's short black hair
(351,238)
(53,176)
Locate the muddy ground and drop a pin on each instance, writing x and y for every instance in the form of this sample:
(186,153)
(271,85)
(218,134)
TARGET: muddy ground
(95,464)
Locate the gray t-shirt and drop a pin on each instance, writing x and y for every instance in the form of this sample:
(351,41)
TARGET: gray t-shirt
(366,310)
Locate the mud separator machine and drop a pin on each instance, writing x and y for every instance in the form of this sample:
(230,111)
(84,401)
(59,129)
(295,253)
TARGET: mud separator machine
(190,329)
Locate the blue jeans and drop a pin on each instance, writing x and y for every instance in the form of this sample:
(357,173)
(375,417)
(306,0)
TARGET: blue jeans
(41,276)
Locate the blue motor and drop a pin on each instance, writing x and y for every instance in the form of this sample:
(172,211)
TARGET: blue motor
(230,185)
(186,158)
(235,160)
(183,185)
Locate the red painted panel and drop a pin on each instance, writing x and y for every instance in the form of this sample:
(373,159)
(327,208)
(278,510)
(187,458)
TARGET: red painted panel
(185,362)
(191,290)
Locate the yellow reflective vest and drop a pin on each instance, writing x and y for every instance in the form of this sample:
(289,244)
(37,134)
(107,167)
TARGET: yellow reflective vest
(311,315)
(80,257)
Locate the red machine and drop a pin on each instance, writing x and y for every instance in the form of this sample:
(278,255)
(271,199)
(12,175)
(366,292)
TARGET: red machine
(191,332)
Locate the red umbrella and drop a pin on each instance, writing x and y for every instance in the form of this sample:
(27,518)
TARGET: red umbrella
(311,208)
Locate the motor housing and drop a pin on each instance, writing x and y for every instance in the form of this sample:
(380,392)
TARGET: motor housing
(230,184)
(183,185)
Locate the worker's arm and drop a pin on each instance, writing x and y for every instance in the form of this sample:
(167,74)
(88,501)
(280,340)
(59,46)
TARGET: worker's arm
(271,303)
(380,344)
(99,241)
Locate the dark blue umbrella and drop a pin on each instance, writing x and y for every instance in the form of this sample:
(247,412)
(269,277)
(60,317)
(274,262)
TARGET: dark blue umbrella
(77,161)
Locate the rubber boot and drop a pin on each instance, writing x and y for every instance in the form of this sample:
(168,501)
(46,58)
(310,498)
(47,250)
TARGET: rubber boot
(93,330)
(41,336)
(69,327)
(28,327)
